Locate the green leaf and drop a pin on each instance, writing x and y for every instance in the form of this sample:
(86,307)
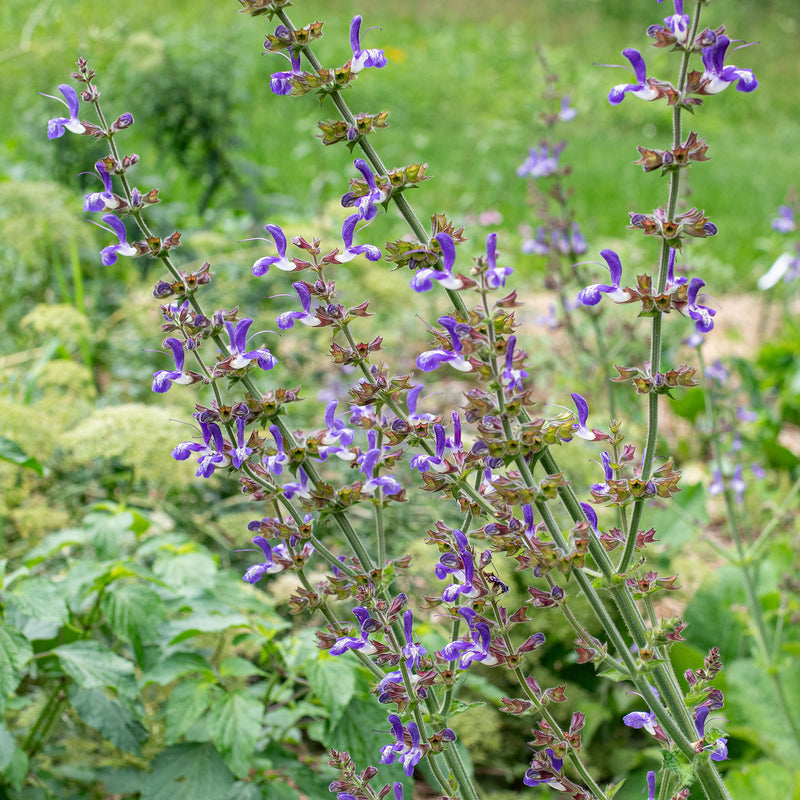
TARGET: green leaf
(39,599)
(179,630)
(333,681)
(108,531)
(176,666)
(187,771)
(92,665)
(12,452)
(54,542)
(15,653)
(187,703)
(234,722)
(133,609)
(186,569)
(239,668)
(7,746)
(613,674)
(246,790)
(762,779)
(110,718)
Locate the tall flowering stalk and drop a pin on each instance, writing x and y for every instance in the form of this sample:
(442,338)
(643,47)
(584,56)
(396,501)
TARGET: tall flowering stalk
(493,458)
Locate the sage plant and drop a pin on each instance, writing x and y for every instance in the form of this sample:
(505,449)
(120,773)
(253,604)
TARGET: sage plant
(494,460)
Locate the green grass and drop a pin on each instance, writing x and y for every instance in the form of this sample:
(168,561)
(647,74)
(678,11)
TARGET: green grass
(464,95)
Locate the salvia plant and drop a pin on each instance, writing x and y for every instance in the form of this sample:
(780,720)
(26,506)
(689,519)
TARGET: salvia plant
(323,496)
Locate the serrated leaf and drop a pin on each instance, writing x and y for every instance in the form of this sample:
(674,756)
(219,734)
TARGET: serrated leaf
(189,770)
(188,569)
(107,532)
(187,703)
(239,668)
(333,681)
(10,451)
(38,598)
(234,722)
(54,542)
(133,609)
(176,666)
(92,665)
(15,653)
(110,718)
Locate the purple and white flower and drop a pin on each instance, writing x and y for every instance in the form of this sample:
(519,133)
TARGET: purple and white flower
(363,59)
(57,125)
(261,267)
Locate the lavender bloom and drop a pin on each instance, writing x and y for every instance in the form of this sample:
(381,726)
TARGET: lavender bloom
(349,253)
(550,777)
(338,436)
(432,359)
(362,643)
(240,453)
(541,162)
(651,785)
(57,125)
(569,242)
(163,379)
(538,246)
(495,276)
(720,751)
(566,113)
(209,457)
(677,25)
(366,203)
(435,462)
(368,462)
(590,296)
(673,282)
(261,267)
(645,720)
(513,376)
(279,81)
(363,59)
(306,316)
(299,488)
(591,515)
(275,464)
(423,278)
(581,431)
(717,77)
(475,649)
(466,574)
(100,201)
(639,89)
(270,565)
(238,344)
(702,315)
(411,404)
(784,222)
(108,255)
(412,652)
(408,755)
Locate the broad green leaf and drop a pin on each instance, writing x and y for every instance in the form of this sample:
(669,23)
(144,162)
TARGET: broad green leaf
(189,771)
(92,665)
(15,652)
(110,718)
(176,666)
(186,569)
(7,746)
(333,681)
(17,769)
(246,790)
(53,542)
(12,452)
(108,532)
(234,722)
(239,667)
(179,630)
(38,598)
(763,779)
(187,703)
(133,609)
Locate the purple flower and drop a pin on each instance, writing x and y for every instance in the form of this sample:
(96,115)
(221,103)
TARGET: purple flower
(366,203)
(784,222)
(645,720)
(474,649)
(672,281)
(466,574)
(541,161)
(261,267)
(590,296)
(566,113)
(423,278)
(538,246)
(432,359)
(240,453)
(591,515)
(702,315)
(411,404)
(210,454)
(306,316)
(677,25)
(539,774)
(368,462)
(411,651)
(338,436)
(582,407)
(238,345)
(270,564)
(163,379)
(512,376)
(275,464)
(719,749)
(408,755)
(108,255)
(717,77)
(641,88)
(57,125)
(362,643)
(651,785)
(280,83)
(299,488)
(363,59)
(435,462)
(349,253)
(100,201)
(495,276)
